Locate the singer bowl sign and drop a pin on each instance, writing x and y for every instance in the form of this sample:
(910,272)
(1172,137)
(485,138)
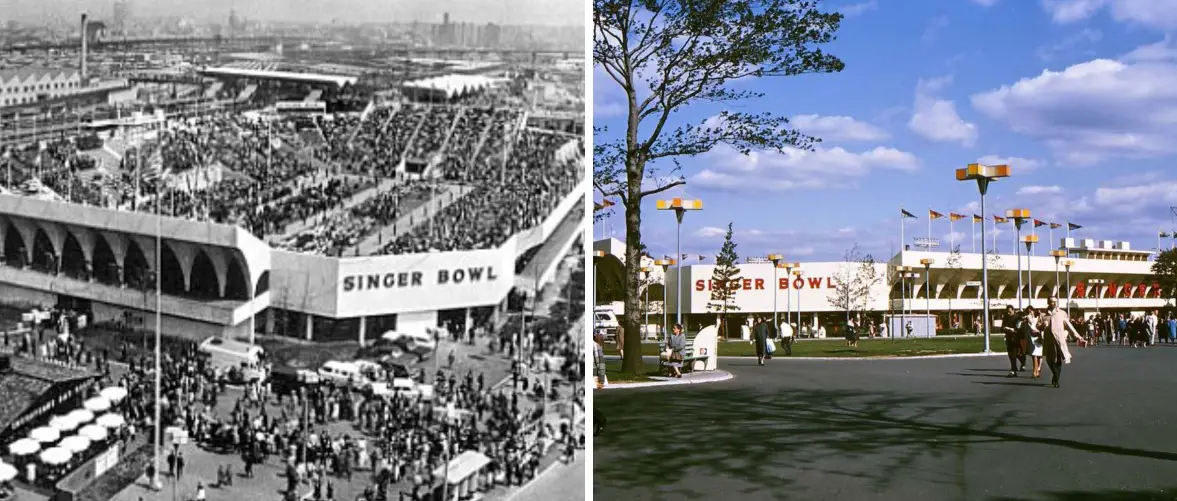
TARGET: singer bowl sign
(423,282)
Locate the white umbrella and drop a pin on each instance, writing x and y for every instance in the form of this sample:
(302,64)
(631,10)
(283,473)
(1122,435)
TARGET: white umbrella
(93,432)
(55,455)
(81,416)
(63,423)
(97,404)
(45,434)
(75,444)
(7,472)
(114,393)
(111,420)
(24,447)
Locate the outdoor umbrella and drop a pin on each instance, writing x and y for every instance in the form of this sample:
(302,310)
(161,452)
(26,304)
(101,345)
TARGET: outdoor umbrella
(55,455)
(81,416)
(75,444)
(114,393)
(111,420)
(93,432)
(24,447)
(45,435)
(97,404)
(7,472)
(63,423)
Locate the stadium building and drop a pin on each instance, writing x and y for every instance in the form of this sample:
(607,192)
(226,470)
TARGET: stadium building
(1105,276)
(220,279)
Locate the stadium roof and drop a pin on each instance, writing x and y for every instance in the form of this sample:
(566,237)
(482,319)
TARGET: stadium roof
(337,80)
(453,84)
(21,75)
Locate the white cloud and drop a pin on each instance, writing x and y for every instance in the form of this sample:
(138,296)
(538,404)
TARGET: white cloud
(1018,164)
(859,8)
(1067,45)
(710,232)
(1164,50)
(1160,14)
(794,169)
(936,119)
(1128,200)
(1039,190)
(837,128)
(1093,110)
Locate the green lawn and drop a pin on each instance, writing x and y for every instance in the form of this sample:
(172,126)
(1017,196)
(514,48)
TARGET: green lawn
(866,347)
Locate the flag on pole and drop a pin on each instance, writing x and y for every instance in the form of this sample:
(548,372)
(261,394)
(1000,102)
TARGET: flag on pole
(999,220)
(978,219)
(685,256)
(907,215)
(1055,226)
(702,258)
(1073,226)
(1163,235)
(952,216)
(1038,223)
(934,215)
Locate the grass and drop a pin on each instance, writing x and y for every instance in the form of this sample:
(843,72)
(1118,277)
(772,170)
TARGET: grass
(614,374)
(866,347)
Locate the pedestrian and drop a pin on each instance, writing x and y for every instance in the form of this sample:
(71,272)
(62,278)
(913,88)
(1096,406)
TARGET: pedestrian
(180,465)
(760,334)
(200,495)
(172,464)
(1032,328)
(150,472)
(1055,343)
(1010,323)
(786,330)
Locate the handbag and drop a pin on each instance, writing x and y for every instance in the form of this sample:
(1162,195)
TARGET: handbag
(665,355)
(769,346)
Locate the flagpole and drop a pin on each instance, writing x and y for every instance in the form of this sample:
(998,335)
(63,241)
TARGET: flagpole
(902,223)
(1068,230)
(1050,234)
(929,227)
(974,235)
(951,233)
(995,251)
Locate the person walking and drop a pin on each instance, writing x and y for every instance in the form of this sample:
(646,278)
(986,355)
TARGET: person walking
(1055,341)
(1032,328)
(786,330)
(1013,341)
(760,334)
(1152,321)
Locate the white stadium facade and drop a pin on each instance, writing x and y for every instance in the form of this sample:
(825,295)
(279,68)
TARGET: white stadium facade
(219,280)
(1127,286)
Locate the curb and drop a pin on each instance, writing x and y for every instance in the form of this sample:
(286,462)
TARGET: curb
(676,382)
(880,357)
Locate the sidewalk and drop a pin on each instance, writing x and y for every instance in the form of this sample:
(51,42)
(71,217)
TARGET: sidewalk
(703,377)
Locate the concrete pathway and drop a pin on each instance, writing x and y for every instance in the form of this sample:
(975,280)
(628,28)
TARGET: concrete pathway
(701,377)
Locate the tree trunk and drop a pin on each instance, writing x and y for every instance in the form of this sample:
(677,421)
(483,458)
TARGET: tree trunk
(632,362)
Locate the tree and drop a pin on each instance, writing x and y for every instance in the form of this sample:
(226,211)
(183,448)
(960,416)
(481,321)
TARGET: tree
(1164,271)
(666,55)
(725,280)
(855,279)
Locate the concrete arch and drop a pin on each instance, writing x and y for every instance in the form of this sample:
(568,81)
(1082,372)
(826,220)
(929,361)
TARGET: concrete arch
(3,233)
(185,255)
(45,256)
(263,283)
(236,285)
(106,266)
(117,243)
(205,282)
(15,253)
(86,238)
(56,234)
(219,258)
(173,278)
(73,259)
(136,267)
(28,234)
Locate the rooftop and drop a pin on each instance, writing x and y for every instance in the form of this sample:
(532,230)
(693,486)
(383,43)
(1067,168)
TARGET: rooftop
(27,381)
(26,73)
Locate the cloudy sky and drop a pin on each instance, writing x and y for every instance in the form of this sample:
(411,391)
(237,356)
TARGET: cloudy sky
(545,12)
(1079,97)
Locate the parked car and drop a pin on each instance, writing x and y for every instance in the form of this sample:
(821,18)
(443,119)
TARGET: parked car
(398,344)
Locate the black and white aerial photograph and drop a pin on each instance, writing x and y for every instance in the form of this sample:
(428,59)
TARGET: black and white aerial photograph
(292,250)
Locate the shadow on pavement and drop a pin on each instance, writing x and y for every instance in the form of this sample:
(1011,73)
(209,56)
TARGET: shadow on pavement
(1107,495)
(667,444)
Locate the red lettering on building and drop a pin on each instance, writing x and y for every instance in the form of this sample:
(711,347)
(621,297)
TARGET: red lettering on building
(829,283)
(1111,290)
(784,284)
(747,284)
(798,283)
(759,284)
(699,286)
(1141,290)
(814,282)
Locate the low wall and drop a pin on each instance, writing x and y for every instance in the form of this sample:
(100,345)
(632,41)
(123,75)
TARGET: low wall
(73,485)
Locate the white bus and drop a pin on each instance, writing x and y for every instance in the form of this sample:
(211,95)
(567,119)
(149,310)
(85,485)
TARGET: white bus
(225,354)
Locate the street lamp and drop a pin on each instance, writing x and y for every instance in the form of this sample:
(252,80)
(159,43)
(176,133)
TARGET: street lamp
(1096,282)
(983,174)
(665,264)
(1030,240)
(911,275)
(902,272)
(776,287)
(788,289)
(797,273)
(646,309)
(680,207)
(928,262)
(1068,263)
(1019,216)
(1058,254)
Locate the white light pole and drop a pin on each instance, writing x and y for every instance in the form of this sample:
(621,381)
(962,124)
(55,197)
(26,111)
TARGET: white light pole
(776,287)
(912,276)
(646,309)
(928,290)
(797,274)
(680,207)
(1068,263)
(1019,216)
(983,175)
(665,264)
(1030,240)
(1058,254)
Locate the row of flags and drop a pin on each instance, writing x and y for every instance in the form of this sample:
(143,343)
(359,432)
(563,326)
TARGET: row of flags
(952,216)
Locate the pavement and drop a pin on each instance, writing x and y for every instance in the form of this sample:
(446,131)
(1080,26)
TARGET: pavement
(559,482)
(699,377)
(943,428)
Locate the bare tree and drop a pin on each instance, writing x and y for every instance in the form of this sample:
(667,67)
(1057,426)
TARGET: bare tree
(667,55)
(856,278)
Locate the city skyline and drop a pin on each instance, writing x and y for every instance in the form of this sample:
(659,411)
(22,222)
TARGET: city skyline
(504,12)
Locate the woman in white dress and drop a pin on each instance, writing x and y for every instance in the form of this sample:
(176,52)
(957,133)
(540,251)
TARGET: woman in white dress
(1033,328)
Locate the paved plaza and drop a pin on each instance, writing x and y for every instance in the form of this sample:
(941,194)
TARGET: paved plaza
(943,429)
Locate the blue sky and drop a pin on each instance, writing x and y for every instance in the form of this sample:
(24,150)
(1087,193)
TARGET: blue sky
(1079,97)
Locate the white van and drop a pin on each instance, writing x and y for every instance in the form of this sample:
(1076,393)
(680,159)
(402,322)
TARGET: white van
(605,322)
(224,354)
(359,374)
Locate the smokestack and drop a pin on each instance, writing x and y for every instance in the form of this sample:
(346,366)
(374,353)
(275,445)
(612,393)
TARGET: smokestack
(85,46)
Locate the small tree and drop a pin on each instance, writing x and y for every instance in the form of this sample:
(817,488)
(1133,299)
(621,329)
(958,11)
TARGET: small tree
(725,280)
(855,279)
(1164,271)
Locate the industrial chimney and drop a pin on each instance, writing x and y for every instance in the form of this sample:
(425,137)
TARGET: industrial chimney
(85,46)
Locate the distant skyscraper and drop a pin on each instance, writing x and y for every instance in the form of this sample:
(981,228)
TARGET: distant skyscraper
(492,35)
(122,16)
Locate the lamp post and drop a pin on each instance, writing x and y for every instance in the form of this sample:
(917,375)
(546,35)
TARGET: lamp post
(902,271)
(1058,254)
(1096,282)
(927,262)
(1030,240)
(797,273)
(680,207)
(911,275)
(1019,216)
(983,175)
(776,287)
(597,256)
(665,264)
(646,309)
(788,288)
(1068,264)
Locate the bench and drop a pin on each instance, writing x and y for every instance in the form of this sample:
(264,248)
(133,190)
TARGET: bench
(689,355)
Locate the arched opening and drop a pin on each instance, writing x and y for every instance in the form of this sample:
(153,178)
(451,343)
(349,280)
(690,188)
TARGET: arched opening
(14,247)
(263,284)
(173,275)
(44,257)
(205,284)
(73,260)
(235,283)
(106,267)
(136,270)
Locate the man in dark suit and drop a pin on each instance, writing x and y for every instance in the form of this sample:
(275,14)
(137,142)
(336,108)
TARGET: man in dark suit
(1013,341)
(760,334)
